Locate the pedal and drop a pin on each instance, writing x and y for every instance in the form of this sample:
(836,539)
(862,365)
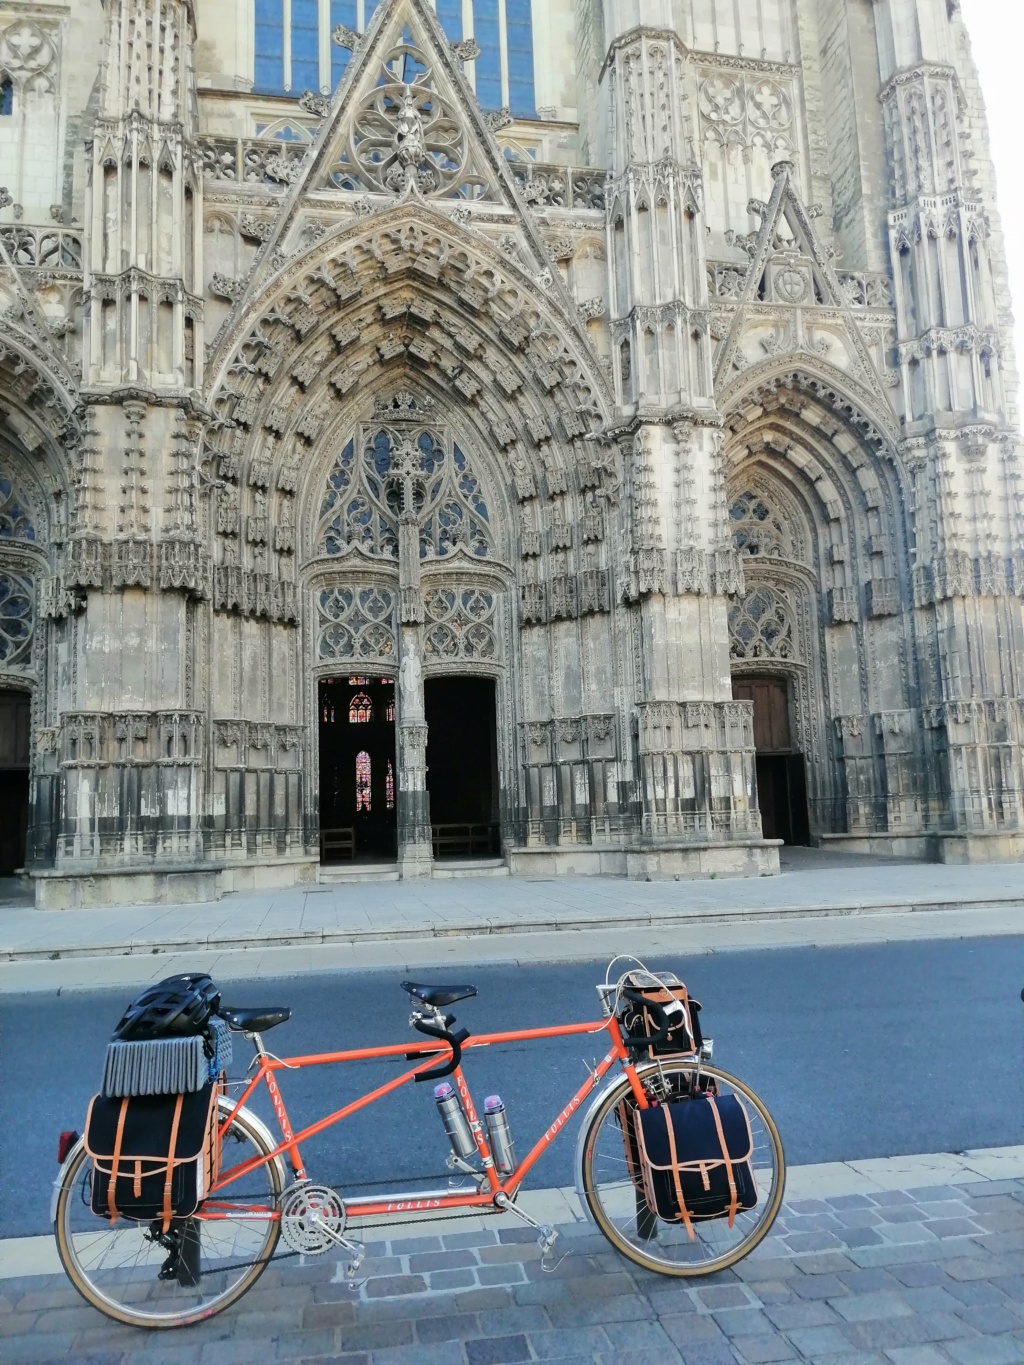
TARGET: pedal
(547,1235)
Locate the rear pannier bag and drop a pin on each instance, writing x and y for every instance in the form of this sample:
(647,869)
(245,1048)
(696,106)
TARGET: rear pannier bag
(695,1158)
(661,987)
(153,1156)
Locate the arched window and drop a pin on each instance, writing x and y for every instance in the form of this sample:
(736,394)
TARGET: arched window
(362,781)
(761,626)
(389,786)
(395,471)
(6,97)
(758,530)
(15,519)
(360,710)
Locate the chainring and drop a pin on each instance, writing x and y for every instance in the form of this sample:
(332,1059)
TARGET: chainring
(312,1218)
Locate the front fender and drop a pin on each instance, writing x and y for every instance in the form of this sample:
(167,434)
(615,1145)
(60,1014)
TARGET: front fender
(643,1069)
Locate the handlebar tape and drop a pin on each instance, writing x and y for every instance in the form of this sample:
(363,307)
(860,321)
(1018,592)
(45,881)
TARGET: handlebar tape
(454,1041)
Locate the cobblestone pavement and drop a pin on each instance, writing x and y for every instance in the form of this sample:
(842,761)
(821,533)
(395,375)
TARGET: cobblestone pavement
(893,1277)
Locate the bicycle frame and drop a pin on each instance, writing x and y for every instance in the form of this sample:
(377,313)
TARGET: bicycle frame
(415,1203)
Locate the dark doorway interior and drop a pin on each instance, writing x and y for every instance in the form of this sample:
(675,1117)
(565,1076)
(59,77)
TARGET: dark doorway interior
(781,782)
(358,772)
(462,766)
(14,751)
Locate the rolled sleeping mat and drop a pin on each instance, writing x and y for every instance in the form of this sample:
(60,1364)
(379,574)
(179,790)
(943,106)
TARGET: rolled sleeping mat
(220,1037)
(168,1066)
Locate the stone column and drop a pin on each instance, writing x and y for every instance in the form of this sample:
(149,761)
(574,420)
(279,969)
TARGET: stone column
(961,445)
(415,856)
(694,743)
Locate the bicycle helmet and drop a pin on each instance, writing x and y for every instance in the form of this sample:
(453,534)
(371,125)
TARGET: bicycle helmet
(177,1007)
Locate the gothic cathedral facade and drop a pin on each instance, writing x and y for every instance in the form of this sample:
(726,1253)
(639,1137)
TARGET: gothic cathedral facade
(571,436)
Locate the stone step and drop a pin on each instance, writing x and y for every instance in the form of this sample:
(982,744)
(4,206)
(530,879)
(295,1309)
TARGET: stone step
(335,874)
(471,867)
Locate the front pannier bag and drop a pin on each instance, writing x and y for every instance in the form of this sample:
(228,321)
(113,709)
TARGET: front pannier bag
(153,1156)
(695,1159)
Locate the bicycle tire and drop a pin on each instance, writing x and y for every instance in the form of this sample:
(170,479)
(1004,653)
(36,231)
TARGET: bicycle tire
(619,1210)
(98,1258)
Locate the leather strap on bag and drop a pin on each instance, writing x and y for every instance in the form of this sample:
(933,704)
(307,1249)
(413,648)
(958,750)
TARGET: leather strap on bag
(170,1161)
(683,1210)
(115,1161)
(734,1201)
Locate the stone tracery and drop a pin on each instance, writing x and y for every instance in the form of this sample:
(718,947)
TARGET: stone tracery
(417,474)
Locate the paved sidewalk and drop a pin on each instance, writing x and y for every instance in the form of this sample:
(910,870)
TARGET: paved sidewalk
(868,1274)
(375,911)
(829,899)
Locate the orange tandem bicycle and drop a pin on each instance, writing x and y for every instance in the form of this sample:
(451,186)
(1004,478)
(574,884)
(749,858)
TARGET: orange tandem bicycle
(264,1194)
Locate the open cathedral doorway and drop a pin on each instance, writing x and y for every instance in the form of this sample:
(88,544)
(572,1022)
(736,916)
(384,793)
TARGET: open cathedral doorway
(14,751)
(462,767)
(781,781)
(358,770)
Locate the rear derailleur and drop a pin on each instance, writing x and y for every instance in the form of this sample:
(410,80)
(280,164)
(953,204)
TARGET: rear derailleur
(181,1242)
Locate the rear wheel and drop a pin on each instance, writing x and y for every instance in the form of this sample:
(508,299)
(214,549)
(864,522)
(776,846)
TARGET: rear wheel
(619,1208)
(136,1274)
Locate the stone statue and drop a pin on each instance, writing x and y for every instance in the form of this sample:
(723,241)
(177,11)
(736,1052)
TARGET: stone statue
(409,677)
(408,142)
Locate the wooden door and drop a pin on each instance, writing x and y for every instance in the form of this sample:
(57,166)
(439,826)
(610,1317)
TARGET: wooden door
(771,712)
(781,784)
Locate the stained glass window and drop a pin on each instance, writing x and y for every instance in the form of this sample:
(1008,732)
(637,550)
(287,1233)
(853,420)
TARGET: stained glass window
(290,56)
(521,99)
(328,713)
(390,714)
(359,682)
(362,781)
(389,786)
(360,709)
(488,64)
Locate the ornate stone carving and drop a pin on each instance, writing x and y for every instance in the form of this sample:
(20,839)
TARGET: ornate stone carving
(357,624)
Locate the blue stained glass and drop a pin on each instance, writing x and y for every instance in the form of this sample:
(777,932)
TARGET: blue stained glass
(522,98)
(449,16)
(449,13)
(305,45)
(488,64)
(342,12)
(269,69)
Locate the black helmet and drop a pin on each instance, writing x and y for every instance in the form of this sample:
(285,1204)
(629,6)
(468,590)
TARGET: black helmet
(177,1007)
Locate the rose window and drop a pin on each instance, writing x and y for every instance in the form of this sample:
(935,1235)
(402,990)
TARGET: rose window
(405,138)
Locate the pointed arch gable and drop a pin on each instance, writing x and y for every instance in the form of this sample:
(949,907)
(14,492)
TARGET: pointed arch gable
(420,297)
(406,31)
(421,241)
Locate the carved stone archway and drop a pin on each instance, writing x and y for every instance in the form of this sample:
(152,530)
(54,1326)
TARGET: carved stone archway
(818,515)
(402,573)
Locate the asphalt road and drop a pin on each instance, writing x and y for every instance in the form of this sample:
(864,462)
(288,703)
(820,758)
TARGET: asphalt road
(858,1052)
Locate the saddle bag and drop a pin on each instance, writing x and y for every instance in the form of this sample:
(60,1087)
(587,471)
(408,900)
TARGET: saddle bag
(695,1159)
(154,1157)
(684,1038)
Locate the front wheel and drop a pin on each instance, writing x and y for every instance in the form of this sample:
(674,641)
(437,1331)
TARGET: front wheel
(616,1201)
(136,1274)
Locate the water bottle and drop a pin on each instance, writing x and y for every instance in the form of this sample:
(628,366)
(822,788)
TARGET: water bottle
(499,1136)
(456,1125)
